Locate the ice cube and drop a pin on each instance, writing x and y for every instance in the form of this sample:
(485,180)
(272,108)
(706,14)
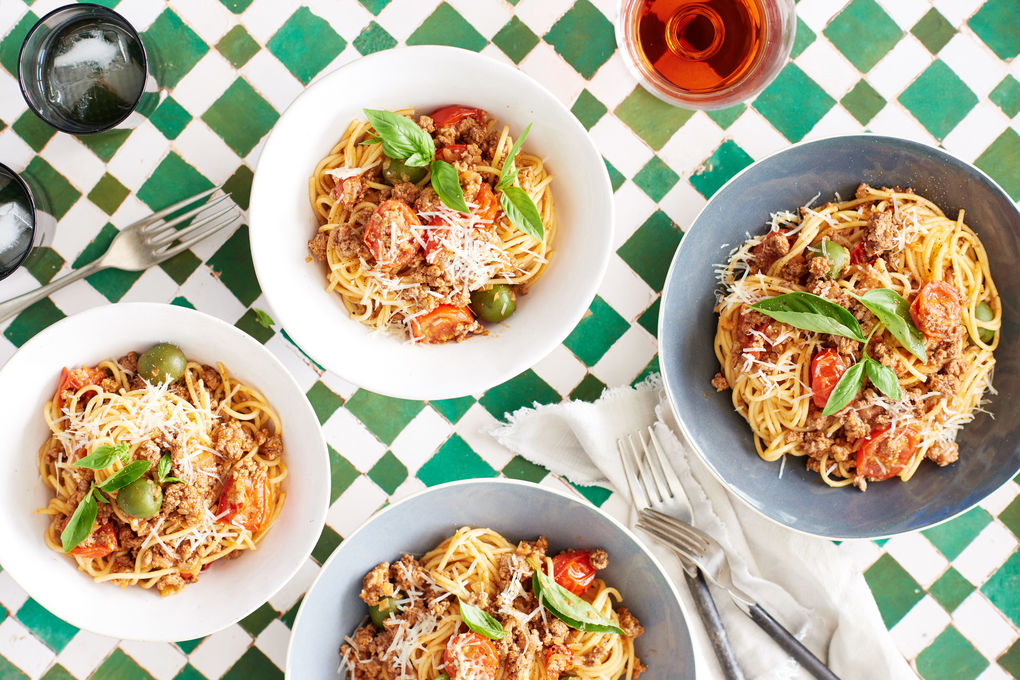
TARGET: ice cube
(15,226)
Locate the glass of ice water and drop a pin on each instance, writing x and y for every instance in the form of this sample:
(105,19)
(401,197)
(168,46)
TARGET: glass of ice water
(17,221)
(83,69)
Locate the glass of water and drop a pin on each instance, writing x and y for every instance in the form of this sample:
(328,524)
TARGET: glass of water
(17,221)
(83,69)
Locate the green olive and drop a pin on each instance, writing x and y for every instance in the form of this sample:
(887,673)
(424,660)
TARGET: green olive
(837,256)
(141,498)
(983,312)
(386,608)
(494,304)
(396,171)
(162,363)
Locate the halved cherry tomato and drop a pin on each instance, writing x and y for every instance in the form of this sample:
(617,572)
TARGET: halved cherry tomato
(245,500)
(100,543)
(558,658)
(858,256)
(936,310)
(470,656)
(826,369)
(451,153)
(442,324)
(74,380)
(435,235)
(487,204)
(573,571)
(389,234)
(448,115)
(884,453)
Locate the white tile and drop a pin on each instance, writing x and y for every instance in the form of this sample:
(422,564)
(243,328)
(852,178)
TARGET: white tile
(295,362)
(139,13)
(23,649)
(683,203)
(77,228)
(339,385)
(273,642)
(986,553)
(402,17)
(346,17)
(418,441)
(540,15)
(974,63)
(78,297)
(13,105)
(486,17)
(919,627)
(85,652)
(624,290)
(613,82)
(994,672)
(206,152)
(474,428)
(561,369)
(976,131)
(1000,499)
(817,13)
(138,156)
(862,554)
(631,207)
(896,121)
(547,67)
(626,151)
(271,78)
(827,66)
(918,556)
(205,83)
(906,13)
(409,486)
(355,505)
(692,144)
(161,659)
(220,651)
(11,594)
(203,289)
(13,149)
(494,52)
(984,625)
(755,135)
(154,285)
(210,20)
(899,67)
(354,442)
(75,161)
(957,11)
(264,17)
(626,358)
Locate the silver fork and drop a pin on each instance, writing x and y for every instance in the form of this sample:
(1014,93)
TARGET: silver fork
(144,243)
(660,488)
(695,545)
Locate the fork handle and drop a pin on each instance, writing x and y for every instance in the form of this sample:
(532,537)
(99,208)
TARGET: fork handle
(11,307)
(713,625)
(791,645)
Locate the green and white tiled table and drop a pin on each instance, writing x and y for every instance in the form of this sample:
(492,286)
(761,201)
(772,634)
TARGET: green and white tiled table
(942,71)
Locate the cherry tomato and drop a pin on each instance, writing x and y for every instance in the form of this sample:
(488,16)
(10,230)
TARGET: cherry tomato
(558,658)
(573,571)
(245,500)
(442,324)
(858,256)
(487,204)
(936,310)
(451,153)
(74,380)
(434,236)
(100,543)
(389,234)
(826,369)
(470,656)
(448,115)
(884,453)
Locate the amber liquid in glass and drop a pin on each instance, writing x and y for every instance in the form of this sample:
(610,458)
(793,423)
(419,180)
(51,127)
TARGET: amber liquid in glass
(701,46)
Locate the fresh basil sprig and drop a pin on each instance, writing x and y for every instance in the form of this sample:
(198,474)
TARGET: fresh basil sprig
(882,377)
(264,319)
(811,313)
(80,524)
(850,383)
(163,470)
(508,173)
(515,202)
(567,607)
(894,313)
(480,621)
(125,475)
(446,182)
(103,457)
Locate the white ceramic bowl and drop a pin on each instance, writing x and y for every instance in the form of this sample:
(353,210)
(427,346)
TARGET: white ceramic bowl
(426,78)
(228,590)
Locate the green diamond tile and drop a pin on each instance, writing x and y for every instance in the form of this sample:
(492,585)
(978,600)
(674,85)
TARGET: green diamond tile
(324,401)
(177,48)
(650,369)
(952,537)
(522,468)
(43,263)
(951,589)
(651,119)
(596,495)
(521,390)
(1006,96)
(170,118)
(894,589)
(9,671)
(253,664)
(1010,660)
(306,44)
(650,248)
(236,6)
(515,39)
(241,102)
(180,266)
(374,6)
(453,409)
(446,26)
(32,320)
(649,319)
(1003,586)
(933,31)
(373,38)
(1010,516)
(257,621)
(232,264)
(726,117)
(239,186)
(656,178)
(113,284)
(288,618)
(182,301)
(108,193)
(237,46)
(120,666)
(188,646)
(996,23)
(249,324)
(173,180)
(10,46)
(595,333)
(863,102)
(589,389)
(105,144)
(588,109)
(845,32)
(189,672)
(52,190)
(1001,159)
(584,37)
(950,657)
(726,161)
(385,417)
(33,130)
(938,99)
(388,473)
(454,460)
(616,178)
(54,632)
(56,672)
(341,474)
(801,39)
(327,543)
(792,84)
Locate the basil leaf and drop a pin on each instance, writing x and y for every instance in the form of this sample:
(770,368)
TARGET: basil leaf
(846,389)
(80,524)
(446,182)
(894,313)
(402,138)
(508,173)
(264,319)
(370,140)
(480,621)
(163,468)
(103,457)
(811,313)
(522,211)
(567,607)
(882,377)
(126,475)
(99,496)
(171,480)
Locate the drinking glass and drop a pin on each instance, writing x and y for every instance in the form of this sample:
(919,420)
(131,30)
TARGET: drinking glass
(17,221)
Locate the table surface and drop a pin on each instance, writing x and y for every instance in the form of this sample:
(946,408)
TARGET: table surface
(943,72)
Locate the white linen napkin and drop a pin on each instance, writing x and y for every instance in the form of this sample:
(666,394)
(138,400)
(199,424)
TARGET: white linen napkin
(803,581)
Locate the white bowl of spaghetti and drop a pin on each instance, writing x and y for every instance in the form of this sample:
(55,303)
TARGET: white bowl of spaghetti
(182,549)
(324,249)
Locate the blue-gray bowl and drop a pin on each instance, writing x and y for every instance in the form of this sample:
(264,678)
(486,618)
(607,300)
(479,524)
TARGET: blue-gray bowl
(519,511)
(989,448)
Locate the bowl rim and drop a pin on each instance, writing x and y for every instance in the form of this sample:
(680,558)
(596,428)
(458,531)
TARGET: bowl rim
(501,481)
(543,344)
(664,367)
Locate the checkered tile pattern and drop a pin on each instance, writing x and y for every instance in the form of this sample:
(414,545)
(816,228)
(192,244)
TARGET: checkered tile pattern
(941,71)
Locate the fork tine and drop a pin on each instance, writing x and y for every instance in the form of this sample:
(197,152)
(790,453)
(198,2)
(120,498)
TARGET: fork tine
(686,551)
(637,492)
(177,206)
(172,235)
(156,230)
(681,528)
(654,469)
(643,474)
(671,478)
(648,475)
(187,243)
